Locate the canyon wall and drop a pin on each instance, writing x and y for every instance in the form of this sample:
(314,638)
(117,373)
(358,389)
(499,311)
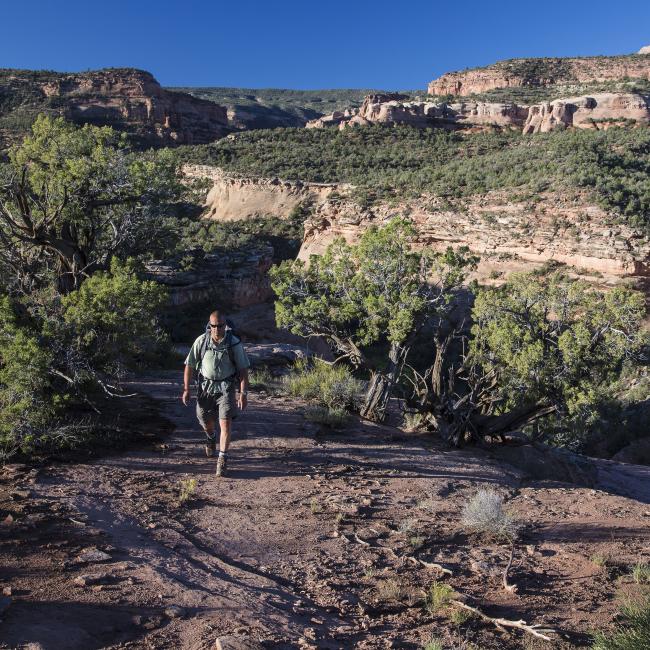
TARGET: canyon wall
(597,111)
(235,279)
(508,235)
(233,197)
(127,99)
(517,73)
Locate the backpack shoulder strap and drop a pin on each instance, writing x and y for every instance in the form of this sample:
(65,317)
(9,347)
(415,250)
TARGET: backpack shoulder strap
(230,344)
(205,340)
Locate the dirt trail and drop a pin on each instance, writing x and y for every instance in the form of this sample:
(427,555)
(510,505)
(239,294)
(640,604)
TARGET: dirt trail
(307,543)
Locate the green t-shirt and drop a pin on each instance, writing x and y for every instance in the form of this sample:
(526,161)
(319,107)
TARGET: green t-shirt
(216,364)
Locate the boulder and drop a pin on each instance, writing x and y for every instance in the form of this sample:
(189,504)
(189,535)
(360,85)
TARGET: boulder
(637,452)
(275,354)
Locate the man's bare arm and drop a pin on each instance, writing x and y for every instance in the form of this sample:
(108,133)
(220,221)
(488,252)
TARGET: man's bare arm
(187,378)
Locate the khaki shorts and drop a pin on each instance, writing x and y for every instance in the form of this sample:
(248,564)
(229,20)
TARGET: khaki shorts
(216,407)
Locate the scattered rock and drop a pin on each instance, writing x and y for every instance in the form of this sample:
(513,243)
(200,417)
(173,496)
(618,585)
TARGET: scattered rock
(92,555)
(174,611)
(236,643)
(87,580)
(18,495)
(6,591)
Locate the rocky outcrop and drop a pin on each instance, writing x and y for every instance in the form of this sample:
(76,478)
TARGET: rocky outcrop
(396,109)
(644,50)
(594,112)
(509,235)
(516,73)
(127,99)
(236,279)
(598,111)
(233,197)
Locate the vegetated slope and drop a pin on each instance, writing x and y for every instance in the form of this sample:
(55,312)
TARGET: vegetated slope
(612,165)
(263,108)
(541,72)
(127,99)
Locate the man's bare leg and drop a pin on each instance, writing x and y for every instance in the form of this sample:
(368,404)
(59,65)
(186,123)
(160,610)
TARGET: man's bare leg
(211,439)
(224,443)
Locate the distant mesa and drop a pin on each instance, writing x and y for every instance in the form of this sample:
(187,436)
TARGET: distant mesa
(517,73)
(130,100)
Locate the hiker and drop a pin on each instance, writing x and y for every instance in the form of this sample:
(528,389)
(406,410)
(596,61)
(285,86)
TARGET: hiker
(220,360)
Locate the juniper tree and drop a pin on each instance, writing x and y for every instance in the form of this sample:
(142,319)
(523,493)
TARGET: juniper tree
(542,347)
(379,290)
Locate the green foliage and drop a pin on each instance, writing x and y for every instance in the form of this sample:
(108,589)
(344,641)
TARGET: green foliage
(198,237)
(548,340)
(334,418)
(377,289)
(614,164)
(261,108)
(26,401)
(332,386)
(632,633)
(77,198)
(641,573)
(186,490)
(439,596)
(114,317)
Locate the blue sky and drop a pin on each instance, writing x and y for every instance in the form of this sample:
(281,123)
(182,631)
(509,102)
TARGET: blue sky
(290,44)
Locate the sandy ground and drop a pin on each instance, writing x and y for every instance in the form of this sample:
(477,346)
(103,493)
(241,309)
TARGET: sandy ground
(313,540)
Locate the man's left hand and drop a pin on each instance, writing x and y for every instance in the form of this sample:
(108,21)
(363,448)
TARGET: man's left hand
(242,401)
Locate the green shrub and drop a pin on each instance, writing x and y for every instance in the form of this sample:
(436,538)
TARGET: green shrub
(332,386)
(334,418)
(439,596)
(114,317)
(27,400)
(632,633)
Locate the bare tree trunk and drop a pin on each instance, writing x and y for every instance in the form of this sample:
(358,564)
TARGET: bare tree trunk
(382,384)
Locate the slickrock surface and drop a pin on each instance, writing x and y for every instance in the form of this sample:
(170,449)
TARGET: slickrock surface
(314,540)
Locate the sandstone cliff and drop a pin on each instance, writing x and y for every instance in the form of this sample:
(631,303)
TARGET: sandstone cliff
(541,72)
(127,99)
(509,235)
(233,198)
(597,111)
(397,109)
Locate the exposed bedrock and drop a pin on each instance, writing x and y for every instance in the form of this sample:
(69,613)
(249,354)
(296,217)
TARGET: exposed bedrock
(508,235)
(233,197)
(517,73)
(597,111)
(589,112)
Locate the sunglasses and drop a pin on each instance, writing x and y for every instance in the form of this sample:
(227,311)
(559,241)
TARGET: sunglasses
(218,325)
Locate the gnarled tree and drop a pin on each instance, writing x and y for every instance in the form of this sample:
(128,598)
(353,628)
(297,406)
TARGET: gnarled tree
(379,290)
(73,198)
(542,348)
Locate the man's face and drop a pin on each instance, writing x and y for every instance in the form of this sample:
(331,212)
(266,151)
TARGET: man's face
(217,327)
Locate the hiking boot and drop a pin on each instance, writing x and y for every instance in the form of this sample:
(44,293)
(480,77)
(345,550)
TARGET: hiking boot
(210,448)
(221,466)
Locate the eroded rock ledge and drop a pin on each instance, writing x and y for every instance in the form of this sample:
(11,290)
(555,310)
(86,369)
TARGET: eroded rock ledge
(233,197)
(509,235)
(597,111)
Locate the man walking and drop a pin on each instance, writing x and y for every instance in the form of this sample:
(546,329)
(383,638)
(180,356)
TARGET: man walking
(220,359)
